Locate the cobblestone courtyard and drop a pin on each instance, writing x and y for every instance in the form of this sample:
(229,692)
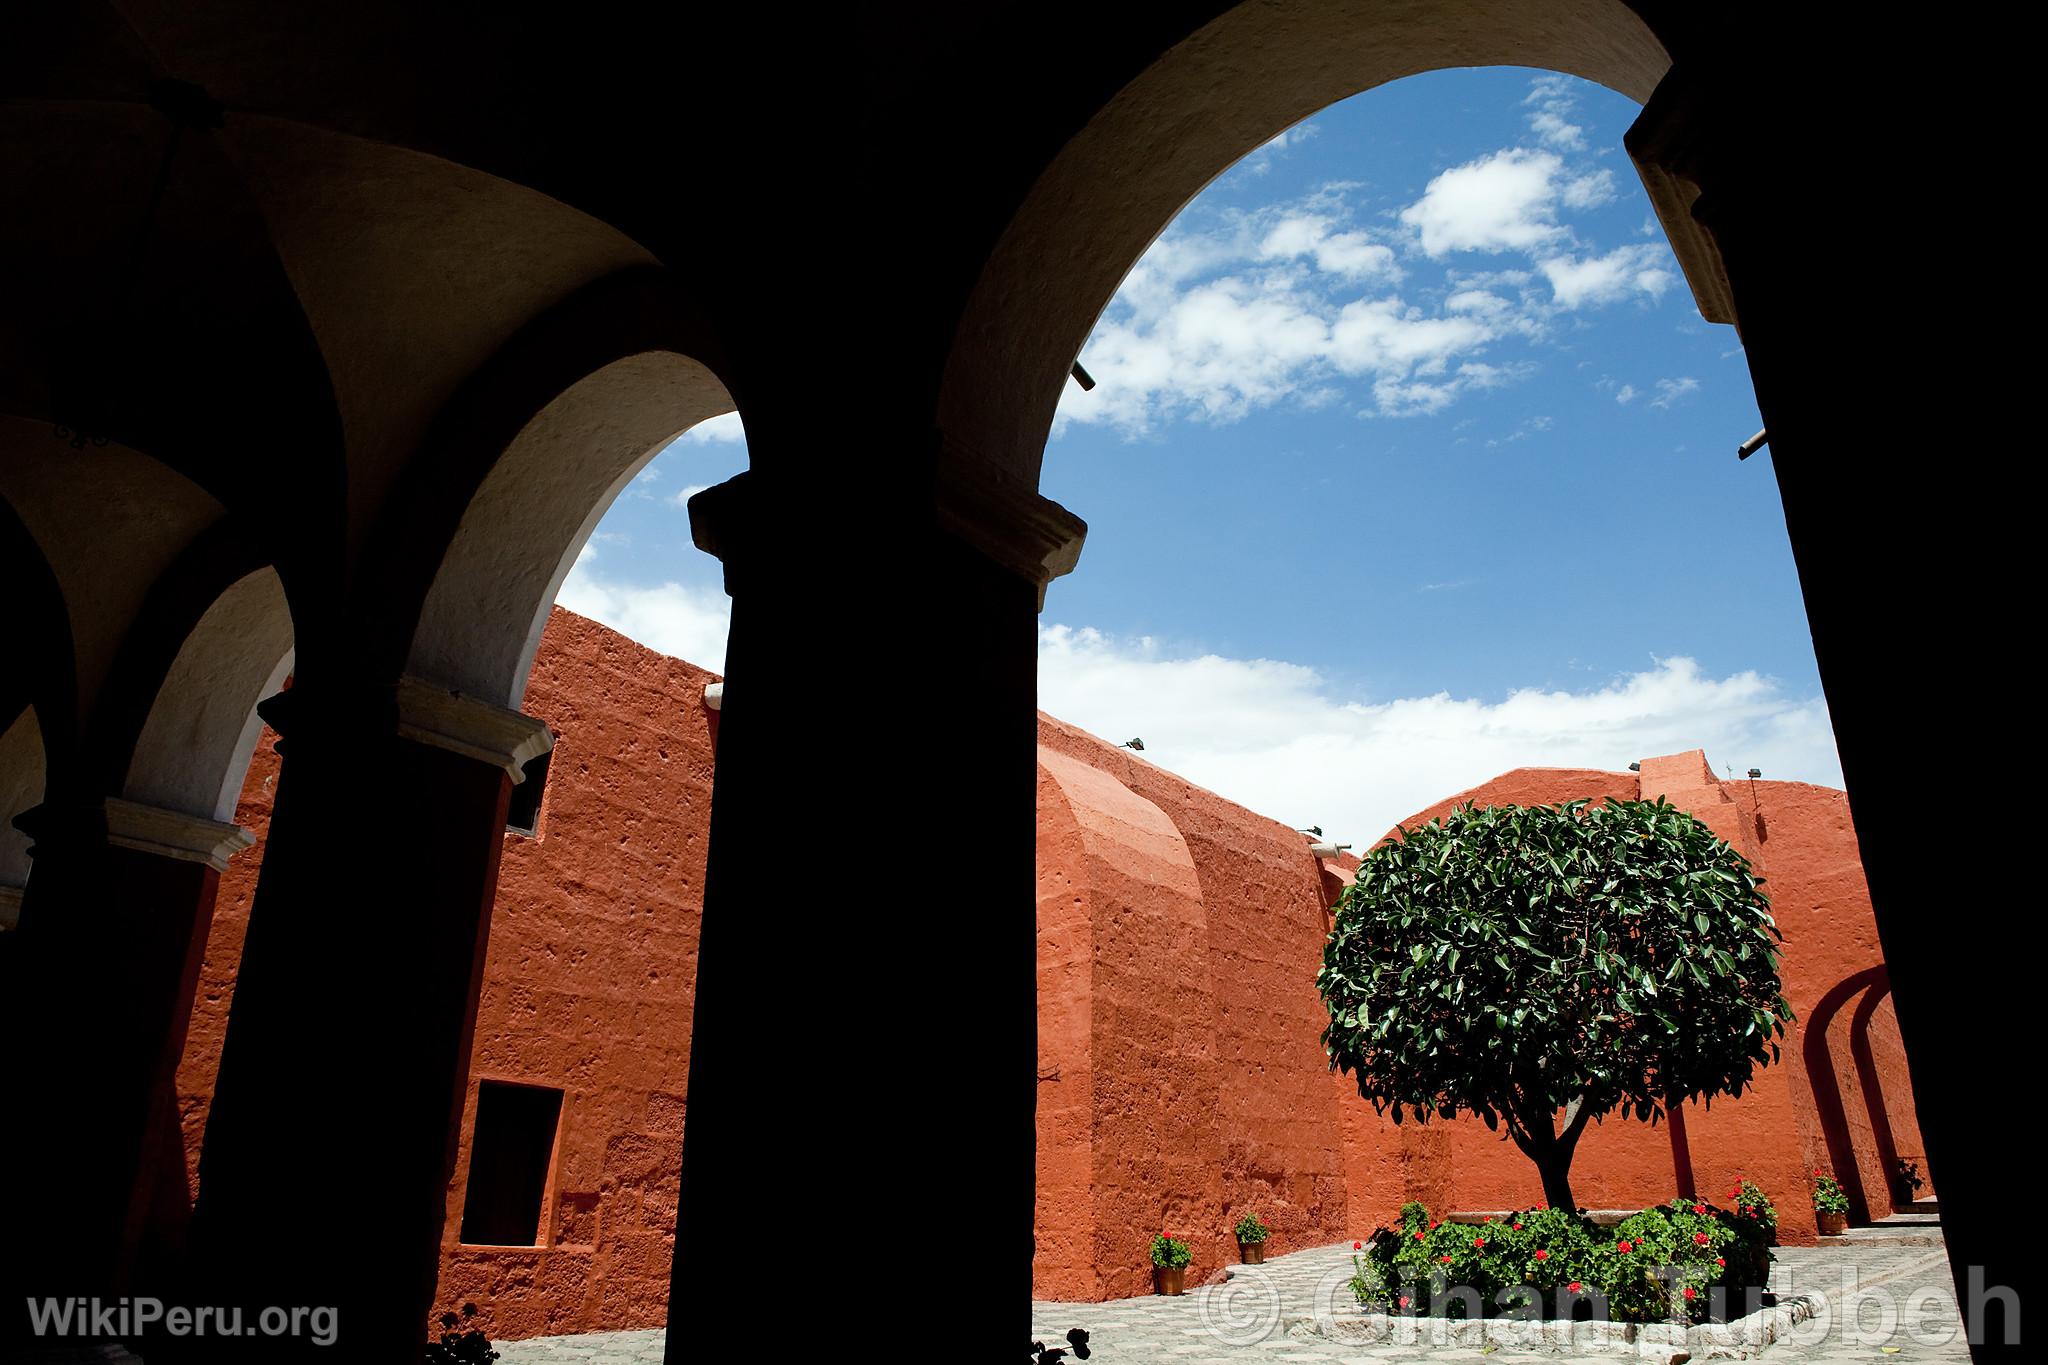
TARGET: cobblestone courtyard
(1902,1295)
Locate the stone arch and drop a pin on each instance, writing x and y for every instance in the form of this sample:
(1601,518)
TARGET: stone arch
(159,316)
(193,749)
(87,603)
(1829,1101)
(514,475)
(534,512)
(1206,102)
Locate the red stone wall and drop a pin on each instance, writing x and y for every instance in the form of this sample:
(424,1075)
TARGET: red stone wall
(1145,1047)
(587,986)
(1181,1077)
(1250,1000)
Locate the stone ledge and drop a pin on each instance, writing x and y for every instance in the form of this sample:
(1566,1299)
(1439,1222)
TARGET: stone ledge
(1668,1343)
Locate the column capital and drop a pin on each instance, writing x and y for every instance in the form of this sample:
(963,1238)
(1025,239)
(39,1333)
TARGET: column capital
(974,500)
(420,711)
(1675,144)
(174,834)
(1006,518)
(432,715)
(121,823)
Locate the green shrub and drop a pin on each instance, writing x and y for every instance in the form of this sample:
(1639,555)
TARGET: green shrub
(1828,1197)
(1549,1262)
(1752,1204)
(1250,1230)
(1170,1253)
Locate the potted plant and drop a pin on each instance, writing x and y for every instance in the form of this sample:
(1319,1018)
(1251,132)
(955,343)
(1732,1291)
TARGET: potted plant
(1170,1257)
(1251,1239)
(1830,1205)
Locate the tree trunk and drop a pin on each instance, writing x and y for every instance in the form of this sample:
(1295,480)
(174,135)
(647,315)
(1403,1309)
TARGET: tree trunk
(1555,1166)
(1538,1137)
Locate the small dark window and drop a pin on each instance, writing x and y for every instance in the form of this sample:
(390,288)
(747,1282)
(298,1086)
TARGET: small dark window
(523,815)
(510,1150)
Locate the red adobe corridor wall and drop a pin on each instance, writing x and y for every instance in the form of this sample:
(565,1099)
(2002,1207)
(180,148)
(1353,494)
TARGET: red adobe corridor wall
(587,987)
(1181,1079)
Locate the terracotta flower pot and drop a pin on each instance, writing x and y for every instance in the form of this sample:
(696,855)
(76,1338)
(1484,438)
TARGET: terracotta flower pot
(1833,1224)
(1165,1281)
(1252,1253)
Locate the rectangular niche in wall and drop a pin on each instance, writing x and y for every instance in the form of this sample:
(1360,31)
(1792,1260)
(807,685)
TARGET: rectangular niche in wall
(510,1151)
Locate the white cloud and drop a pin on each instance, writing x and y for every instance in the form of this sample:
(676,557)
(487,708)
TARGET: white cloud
(1261,161)
(1505,201)
(681,497)
(1589,191)
(1551,103)
(724,428)
(1669,391)
(1594,280)
(683,622)
(1523,432)
(1275,737)
(1346,255)
(1626,394)
(1233,310)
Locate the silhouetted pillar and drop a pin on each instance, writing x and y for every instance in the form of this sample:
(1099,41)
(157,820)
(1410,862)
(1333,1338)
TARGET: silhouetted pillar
(864,1046)
(331,1139)
(113,925)
(1790,212)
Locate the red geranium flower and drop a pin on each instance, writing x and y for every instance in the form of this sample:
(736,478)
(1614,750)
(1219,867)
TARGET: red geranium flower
(1699,1208)
(1404,1300)
(1418,1234)
(1721,1261)
(1689,1294)
(1573,1286)
(1701,1238)
(1357,1246)
(1438,1223)
(1445,1259)
(1518,1227)
(1478,1241)
(1623,1246)
(1542,1255)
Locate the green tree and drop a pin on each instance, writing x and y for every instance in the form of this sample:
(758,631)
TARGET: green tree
(1543,966)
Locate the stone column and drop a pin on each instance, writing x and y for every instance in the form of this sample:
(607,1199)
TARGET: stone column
(332,1133)
(861,1090)
(1791,208)
(112,927)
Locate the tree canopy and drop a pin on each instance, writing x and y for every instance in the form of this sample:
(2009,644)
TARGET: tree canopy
(1543,966)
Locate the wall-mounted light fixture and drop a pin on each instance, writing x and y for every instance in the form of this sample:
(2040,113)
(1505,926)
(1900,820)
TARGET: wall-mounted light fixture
(1137,744)
(714,696)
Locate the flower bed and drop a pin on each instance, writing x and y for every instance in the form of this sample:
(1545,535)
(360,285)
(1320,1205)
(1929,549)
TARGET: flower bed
(1686,1261)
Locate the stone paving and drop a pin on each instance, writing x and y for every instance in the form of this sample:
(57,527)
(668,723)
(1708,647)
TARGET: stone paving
(1903,1295)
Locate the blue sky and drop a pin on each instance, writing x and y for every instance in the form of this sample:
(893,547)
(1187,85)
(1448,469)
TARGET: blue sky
(1410,460)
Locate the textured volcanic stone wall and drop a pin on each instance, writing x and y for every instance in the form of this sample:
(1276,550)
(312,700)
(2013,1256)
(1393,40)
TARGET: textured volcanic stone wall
(1181,1077)
(587,986)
